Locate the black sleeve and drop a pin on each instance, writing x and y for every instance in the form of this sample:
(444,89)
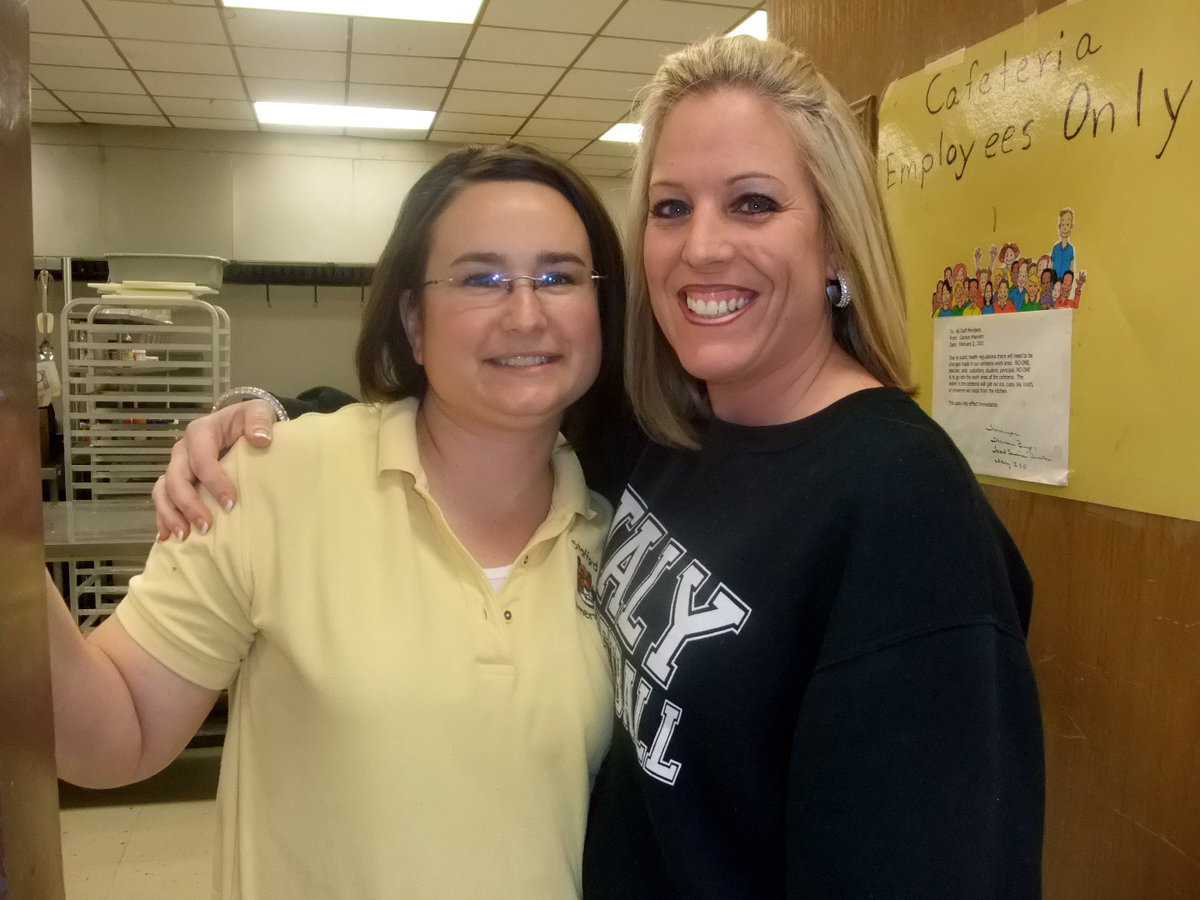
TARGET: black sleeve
(317,399)
(916,771)
(916,768)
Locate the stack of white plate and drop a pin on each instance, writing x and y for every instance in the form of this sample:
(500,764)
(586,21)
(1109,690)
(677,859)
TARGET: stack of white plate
(131,291)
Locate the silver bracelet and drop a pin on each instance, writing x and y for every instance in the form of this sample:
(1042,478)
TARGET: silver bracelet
(238,394)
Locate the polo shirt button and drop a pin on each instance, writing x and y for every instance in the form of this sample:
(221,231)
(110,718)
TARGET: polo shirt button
(525,561)
(508,615)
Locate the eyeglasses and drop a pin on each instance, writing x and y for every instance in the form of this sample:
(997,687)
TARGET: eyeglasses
(492,287)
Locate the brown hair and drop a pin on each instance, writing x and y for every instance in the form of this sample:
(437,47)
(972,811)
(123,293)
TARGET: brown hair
(384,358)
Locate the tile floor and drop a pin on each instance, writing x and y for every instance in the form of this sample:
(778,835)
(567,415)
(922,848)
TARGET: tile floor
(148,841)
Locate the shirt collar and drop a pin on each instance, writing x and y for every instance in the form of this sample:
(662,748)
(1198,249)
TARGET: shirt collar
(398,452)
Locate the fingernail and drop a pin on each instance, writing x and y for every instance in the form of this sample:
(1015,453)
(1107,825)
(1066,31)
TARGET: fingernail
(179,533)
(262,433)
(203,526)
(158,537)
(227,503)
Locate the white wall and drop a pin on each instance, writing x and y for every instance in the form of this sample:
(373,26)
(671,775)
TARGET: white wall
(248,197)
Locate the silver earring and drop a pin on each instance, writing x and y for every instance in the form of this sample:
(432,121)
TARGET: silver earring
(838,291)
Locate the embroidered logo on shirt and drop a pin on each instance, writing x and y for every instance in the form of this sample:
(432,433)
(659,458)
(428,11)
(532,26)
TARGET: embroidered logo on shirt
(585,591)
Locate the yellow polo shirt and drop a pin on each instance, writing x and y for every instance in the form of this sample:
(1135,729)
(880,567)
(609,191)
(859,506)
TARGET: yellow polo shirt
(397,729)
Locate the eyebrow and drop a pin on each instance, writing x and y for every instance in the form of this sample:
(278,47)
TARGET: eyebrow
(544,258)
(743,176)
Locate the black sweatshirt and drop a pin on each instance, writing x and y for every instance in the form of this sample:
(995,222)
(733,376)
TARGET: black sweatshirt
(823,690)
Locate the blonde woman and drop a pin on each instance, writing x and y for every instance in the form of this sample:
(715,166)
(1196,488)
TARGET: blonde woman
(815,619)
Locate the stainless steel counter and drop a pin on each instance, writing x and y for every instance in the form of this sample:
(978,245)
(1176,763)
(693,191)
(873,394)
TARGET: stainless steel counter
(98,529)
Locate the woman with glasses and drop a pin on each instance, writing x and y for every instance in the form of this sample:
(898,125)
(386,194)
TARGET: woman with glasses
(400,602)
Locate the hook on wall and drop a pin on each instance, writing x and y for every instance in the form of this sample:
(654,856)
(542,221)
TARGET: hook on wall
(314,296)
(268,287)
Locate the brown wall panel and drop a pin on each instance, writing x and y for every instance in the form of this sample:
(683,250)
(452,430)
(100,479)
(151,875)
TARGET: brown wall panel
(1116,628)
(1116,645)
(864,45)
(30,858)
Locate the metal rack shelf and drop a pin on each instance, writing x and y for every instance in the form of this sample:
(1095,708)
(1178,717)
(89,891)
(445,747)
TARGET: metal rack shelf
(133,377)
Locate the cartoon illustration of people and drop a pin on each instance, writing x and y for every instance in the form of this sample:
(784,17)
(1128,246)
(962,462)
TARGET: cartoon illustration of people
(1072,291)
(1020,275)
(960,298)
(1062,255)
(1011,282)
(1009,254)
(1034,298)
(1003,302)
(943,295)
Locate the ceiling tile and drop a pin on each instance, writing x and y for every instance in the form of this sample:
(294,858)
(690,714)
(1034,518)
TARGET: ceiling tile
(490,102)
(595,171)
(62,50)
(99,118)
(463,137)
(556,144)
(369,68)
(614,148)
(206,109)
(53,117)
(286,90)
(671,20)
(85,102)
(313,65)
(626,55)
(181,84)
(396,96)
(62,17)
(514,45)
(563,128)
(605,163)
(582,108)
(406,134)
(390,36)
(204,59)
(77,78)
(287,30)
(506,125)
(160,21)
(221,124)
(580,16)
(43,100)
(601,85)
(483,76)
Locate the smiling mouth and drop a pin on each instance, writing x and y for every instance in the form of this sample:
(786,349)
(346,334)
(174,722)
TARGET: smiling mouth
(522,362)
(715,304)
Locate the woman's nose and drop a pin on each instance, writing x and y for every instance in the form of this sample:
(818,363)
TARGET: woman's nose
(523,308)
(707,239)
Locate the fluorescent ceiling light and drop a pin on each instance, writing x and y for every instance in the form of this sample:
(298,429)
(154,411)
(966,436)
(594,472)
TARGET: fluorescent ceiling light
(463,11)
(625,132)
(754,25)
(342,116)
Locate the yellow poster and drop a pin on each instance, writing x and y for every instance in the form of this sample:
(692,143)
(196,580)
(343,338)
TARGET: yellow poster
(1057,166)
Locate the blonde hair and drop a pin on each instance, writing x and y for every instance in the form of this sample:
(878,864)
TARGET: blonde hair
(667,400)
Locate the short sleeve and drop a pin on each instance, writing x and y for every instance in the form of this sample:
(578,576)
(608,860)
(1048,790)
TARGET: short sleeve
(191,608)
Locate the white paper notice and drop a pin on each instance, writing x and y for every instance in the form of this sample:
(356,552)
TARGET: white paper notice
(1002,389)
